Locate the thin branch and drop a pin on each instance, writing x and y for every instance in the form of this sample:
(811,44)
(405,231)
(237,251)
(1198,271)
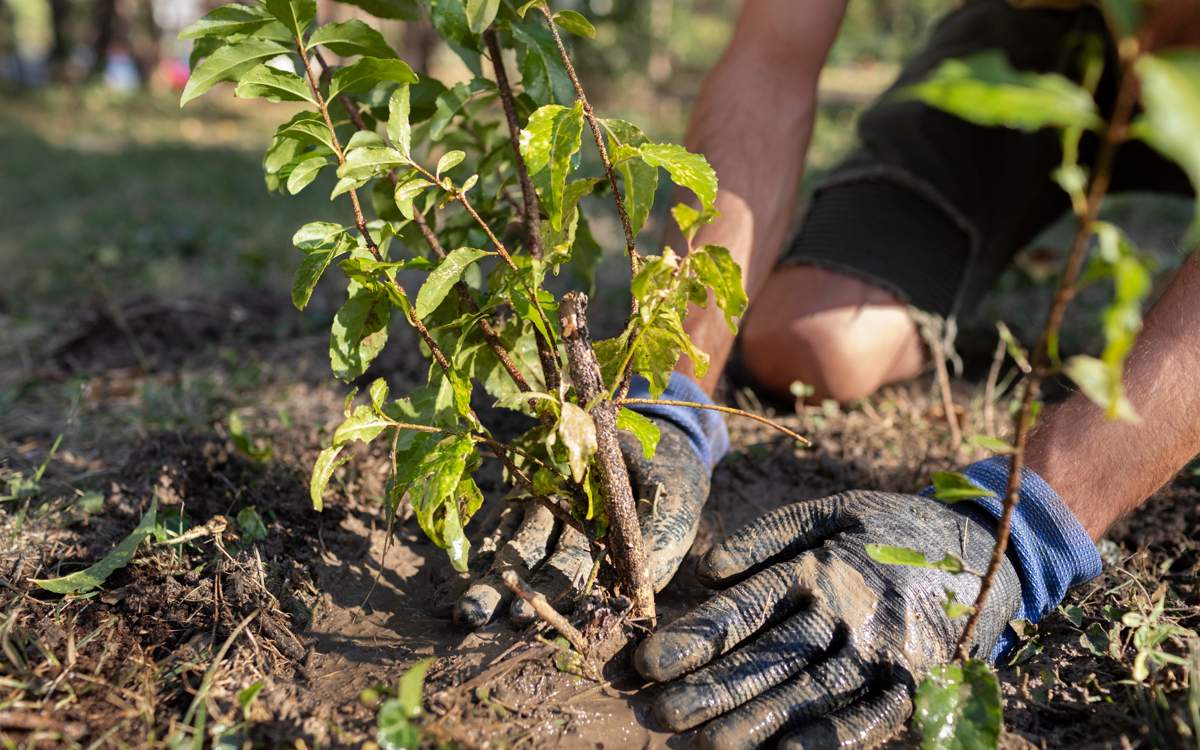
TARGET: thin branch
(594,124)
(528,194)
(1042,364)
(547,613)
(714,407)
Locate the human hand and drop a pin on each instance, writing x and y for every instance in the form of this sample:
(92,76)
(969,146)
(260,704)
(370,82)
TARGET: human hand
(832,643)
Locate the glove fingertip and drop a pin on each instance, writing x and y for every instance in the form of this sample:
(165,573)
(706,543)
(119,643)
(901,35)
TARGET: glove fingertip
(472,612)
(658,659)
(718,566)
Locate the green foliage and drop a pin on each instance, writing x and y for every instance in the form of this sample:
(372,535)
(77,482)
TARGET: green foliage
(438,166)
(951,487)
(958,707)
(397,728)
(891,555)
(251,525)
(986,90)
(95,575)
(1170,96)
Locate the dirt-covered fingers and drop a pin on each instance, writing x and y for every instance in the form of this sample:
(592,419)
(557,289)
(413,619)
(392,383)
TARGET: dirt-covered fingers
(560,578)
(527,546)
(864,724)
(722,622)
(781,533)
(821,690)
(740,676)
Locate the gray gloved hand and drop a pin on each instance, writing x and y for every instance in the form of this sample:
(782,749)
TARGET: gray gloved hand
(555,559)
(832,643)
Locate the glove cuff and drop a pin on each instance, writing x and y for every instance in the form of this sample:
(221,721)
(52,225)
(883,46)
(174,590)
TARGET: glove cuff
(705,429)
(1053,551)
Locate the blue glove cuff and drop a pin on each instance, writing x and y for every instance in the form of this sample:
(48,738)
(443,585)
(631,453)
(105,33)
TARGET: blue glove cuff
(705,429)
(1052,550)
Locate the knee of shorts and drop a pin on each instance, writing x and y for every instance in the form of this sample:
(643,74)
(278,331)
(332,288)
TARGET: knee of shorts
(829,351)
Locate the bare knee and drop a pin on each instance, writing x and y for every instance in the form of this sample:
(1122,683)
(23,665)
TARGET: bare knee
(842,337)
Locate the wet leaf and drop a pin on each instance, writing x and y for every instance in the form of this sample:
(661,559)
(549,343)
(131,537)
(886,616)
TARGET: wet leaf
(305,172)
(958,707)
(399,128)
(370,161)
(95,575)
(348,38)
(369,72)
(552,137)
(986,90)
(265,82)
(228,20)
(449,160)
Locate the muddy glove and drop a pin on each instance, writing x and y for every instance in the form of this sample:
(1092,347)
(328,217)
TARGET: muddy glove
(832,643)
(671,489)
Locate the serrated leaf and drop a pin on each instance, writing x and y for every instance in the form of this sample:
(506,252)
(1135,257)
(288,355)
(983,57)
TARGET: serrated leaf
(481,13)
(358,333)
(227,20)
(448,161)
(443,278)
(641,427)
(347,38)
(399,128)
(985,89)
(577,431)
(369,72)
(295,15)
(575,23)
(227,64)
(717,270)
(1170,97)
(327,462)
(95,575)
(958,707)
(305,172)
(952,487)
(688,170)
(639,179)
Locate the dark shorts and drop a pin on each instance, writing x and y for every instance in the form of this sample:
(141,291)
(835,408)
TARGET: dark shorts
(933,208)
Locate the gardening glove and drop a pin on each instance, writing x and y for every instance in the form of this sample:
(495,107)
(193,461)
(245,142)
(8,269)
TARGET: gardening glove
(670,488)
(832,643)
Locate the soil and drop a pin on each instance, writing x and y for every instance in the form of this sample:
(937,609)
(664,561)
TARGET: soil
(326,619)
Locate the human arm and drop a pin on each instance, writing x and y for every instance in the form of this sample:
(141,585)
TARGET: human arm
(753,120)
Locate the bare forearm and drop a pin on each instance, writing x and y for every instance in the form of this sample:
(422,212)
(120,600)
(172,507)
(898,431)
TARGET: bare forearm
(1103,469)
(753,121)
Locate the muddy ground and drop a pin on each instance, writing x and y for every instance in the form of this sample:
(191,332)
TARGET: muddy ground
(137,363)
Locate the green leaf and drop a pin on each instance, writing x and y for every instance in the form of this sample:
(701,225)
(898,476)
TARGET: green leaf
(1101,383)
(351,38)
(951,487)
(892,555)
(450,19)
(1124,16)
(399,129)
(985,89)
(577,432)
(368,72)
(358,333)
(659,348)
(688,170)
(958,707)
(433,480)
(306,127)
(378,392)
(481,13)
(305,172)
(370,161)
(552,137)
(639,179)
(411,687)
(575,23)
(228,64)
(327,462)
(364,424)
(690,220)
(318,235)
(86,580)
(241,438)
(717,270)
(444,277)
(449,160)
(526,6)
(447,105)
(406,191)
(295,15)
(404,10)
(989,443)
(953,608)
(311,269)
(227,20)
(1170,92)
(641,427)
(251,524)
